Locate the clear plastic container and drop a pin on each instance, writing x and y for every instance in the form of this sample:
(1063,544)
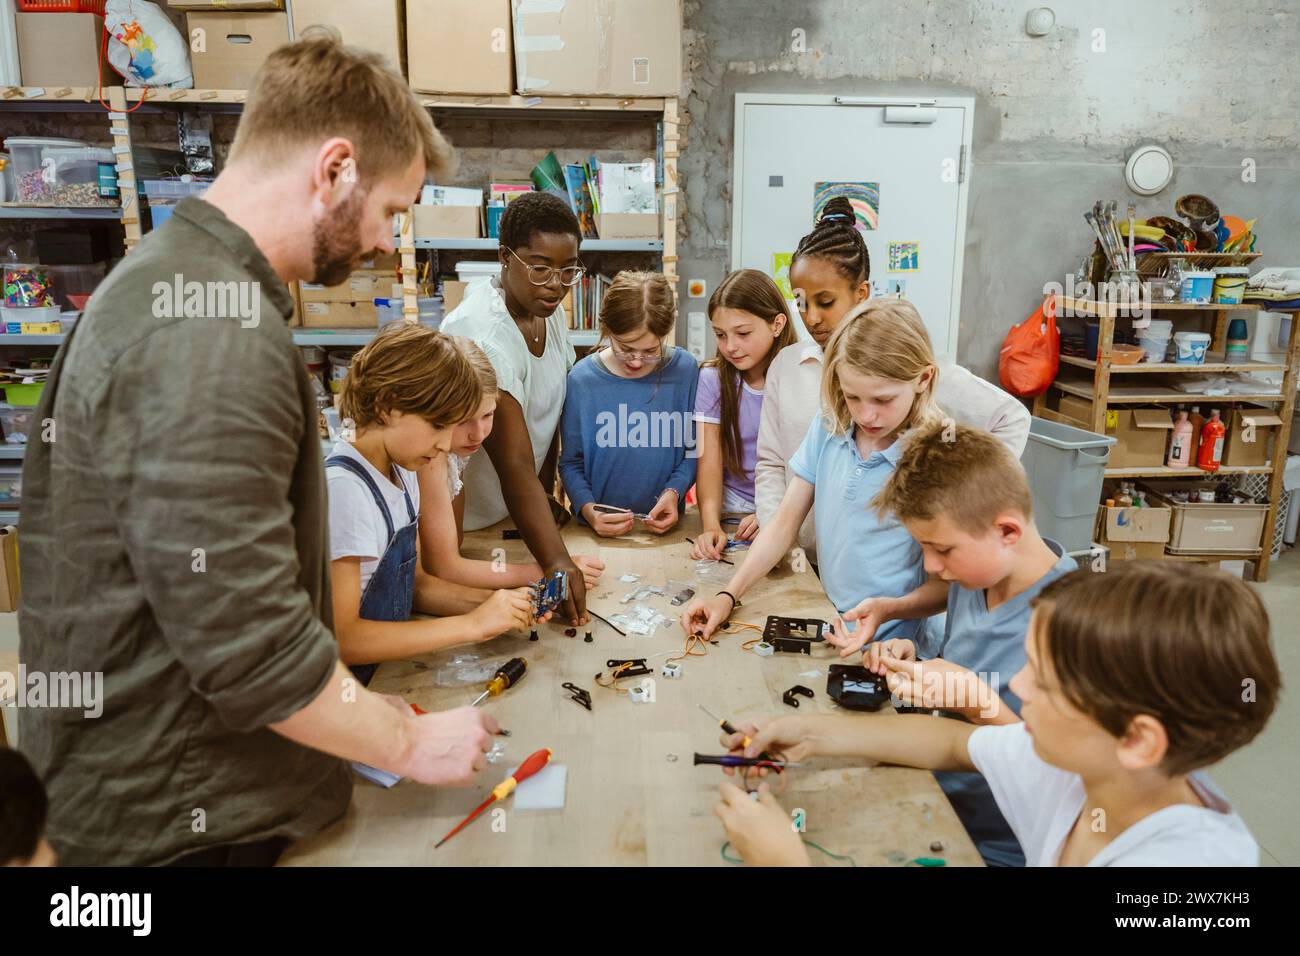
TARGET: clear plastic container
(11,485)
(30,181)
(16,423)
(79,176)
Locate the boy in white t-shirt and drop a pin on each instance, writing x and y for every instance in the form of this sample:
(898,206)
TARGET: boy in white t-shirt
(1135,681)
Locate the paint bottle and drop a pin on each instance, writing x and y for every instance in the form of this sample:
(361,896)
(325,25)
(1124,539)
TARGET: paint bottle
(1125,498)
(1198,423)
(1211,452)
(1180,446)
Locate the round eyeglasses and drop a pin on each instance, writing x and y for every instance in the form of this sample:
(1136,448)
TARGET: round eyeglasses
(542,275)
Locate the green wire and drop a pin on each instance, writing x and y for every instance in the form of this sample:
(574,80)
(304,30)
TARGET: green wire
(815,846)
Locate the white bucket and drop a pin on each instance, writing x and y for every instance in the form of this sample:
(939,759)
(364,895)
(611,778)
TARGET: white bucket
(1155,347)
(1190,347)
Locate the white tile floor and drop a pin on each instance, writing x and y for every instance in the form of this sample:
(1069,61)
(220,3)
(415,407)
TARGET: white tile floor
(1254,778)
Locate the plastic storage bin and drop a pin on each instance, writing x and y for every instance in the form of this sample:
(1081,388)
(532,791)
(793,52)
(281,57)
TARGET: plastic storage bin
(30,180)
(80,176)
(164,194)
(1209,527)
(16,423)
(1065,466)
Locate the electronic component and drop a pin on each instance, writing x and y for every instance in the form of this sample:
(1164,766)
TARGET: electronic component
(672,670)
(764,649)
(795,635)
(511,534)
(856,688)
(550,592)
(642,693)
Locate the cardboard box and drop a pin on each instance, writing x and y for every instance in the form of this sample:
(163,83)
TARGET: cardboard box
(628,225)
(234,47)
(448,222)
(62,50)
(1141,434)
(339,315)
(389,263)
(222,5)
(460,46)
(10,583)
(453,292)
(1134,534)
(360,287)
(598,47)
(376,25)
(1199,527)
(1259,424)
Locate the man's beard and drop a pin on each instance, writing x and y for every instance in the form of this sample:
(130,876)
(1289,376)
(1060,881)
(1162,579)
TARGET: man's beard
(335,250)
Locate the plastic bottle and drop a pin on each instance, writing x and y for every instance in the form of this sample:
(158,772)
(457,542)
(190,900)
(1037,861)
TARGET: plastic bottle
(1198,424)
(1125,498)
(1211,452)
(1180,446)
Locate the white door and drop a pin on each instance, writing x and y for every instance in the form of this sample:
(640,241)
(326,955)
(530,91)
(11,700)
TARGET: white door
(911,160)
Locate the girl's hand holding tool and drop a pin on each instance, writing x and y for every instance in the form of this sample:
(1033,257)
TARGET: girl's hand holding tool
(509,609)
(664,514)
(790,737)
(608,523)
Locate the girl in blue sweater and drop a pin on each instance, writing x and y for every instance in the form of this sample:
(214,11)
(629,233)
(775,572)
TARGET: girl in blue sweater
(627,445)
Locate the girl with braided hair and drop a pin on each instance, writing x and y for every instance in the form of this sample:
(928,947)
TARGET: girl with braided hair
(830,273)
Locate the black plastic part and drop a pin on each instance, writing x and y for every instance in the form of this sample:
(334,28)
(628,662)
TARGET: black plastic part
(794,635)
(864,691)
(792,696)
(578,695)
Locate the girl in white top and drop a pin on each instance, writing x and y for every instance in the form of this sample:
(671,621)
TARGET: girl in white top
(517,320)
(829,274)
(444,503)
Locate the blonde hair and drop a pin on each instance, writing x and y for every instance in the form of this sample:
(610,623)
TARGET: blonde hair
(317,88)
(958,471)
(410,368)
(883,338)
(755,292)
(487,375)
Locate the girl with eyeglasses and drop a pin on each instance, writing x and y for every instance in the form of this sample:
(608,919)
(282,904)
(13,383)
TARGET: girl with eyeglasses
(627,446)
(750,322)
(517,320)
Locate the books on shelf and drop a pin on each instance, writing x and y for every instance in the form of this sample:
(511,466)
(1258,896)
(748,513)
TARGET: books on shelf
(582,305)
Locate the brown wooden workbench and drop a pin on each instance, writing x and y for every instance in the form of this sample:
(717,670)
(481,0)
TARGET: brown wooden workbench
(627,802)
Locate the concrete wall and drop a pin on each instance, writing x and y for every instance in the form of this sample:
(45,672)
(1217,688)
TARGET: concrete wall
(1213,82)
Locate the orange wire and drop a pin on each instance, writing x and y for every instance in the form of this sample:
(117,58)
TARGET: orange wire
(614,677)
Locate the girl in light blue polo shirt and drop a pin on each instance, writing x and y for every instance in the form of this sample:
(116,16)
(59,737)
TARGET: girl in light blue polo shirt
(877,383)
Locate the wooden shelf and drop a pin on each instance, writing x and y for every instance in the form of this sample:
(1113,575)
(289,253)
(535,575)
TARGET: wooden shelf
(76,97)
(188,97)
(1214,556)
(1132,394)
(1164,472)
(1068,306)
(1212,364)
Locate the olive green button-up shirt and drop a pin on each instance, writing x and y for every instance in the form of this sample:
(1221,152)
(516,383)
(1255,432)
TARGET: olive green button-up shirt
(174,537)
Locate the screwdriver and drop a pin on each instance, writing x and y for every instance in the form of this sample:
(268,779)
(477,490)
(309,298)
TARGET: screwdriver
(507,675)
(729,728)
(535,762)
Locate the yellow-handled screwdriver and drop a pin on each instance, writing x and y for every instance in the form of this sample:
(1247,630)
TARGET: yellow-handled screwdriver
(507,675)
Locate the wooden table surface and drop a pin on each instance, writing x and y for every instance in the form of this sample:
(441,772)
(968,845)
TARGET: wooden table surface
(633,796)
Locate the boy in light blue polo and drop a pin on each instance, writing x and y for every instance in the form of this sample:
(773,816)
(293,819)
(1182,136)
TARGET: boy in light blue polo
(965,499)
(861,554)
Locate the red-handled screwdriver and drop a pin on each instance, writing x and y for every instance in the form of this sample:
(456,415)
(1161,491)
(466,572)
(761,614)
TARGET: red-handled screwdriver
(534,763)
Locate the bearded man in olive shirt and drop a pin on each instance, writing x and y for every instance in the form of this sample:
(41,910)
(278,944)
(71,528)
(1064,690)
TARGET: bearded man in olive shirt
(174,526)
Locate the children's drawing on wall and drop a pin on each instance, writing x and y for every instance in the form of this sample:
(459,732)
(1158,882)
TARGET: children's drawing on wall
(904,256)
(864,197)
